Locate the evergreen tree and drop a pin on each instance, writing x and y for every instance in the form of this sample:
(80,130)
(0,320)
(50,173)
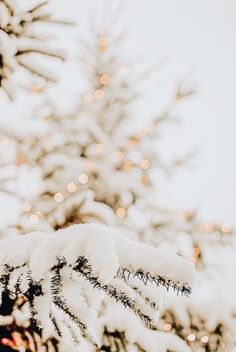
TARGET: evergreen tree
(97,166)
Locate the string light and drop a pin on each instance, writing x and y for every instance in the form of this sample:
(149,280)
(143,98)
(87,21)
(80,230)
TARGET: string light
(178,97)
(196,251)
(208,227)
(204,339)
(36,89)
(144,180)
(99,94)
(30,141)
(26,206)
(39,214)
(105,79)
(58,197)
(83,178)
(167,327)
(34,219)
(17,339)
(145,164)
(225,228)
(196,254)
(100,148)
(102,43)
(186,215)
(48,119)
(121,212)
(119,155)
(88,98)
(191,337)
(21,159)
(128,165)
(133,140)
(7,342)
(71,187)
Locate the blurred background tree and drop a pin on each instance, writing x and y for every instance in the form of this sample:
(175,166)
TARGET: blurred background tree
(98,163)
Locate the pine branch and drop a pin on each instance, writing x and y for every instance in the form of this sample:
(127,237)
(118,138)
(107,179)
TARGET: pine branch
(158,280)
(27,277)
(120,296)
(58,299)
(15,29)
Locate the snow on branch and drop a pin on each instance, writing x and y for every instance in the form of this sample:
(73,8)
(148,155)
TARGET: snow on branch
(66,275)
(21,39)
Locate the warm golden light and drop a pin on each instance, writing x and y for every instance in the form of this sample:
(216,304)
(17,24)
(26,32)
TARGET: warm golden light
(196,251)
(100,148)
(167,327)
(7,342)
(26,206)
(208,227)
(102,43)
(225,228)
(48,119)
(83,178)
(133,140)
(145,164)
(36,89)
(128,165)
(88,98)
(20,159)
(99,94)
(71,187)
(105,79)
(191,337)
(144,180)
(119,155)
(204,339)
(185,215)
(121,212)
(17,339)
(59,197)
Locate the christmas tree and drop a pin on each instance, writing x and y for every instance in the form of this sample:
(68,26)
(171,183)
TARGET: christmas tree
(97,166)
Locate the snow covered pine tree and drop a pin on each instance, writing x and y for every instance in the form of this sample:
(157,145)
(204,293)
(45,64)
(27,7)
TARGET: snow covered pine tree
(64,277)
(82,163)
(102,171)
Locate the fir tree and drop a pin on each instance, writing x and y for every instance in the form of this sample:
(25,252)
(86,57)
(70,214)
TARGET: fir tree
(96,166)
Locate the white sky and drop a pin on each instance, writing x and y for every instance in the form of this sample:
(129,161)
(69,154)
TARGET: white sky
(200,37)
